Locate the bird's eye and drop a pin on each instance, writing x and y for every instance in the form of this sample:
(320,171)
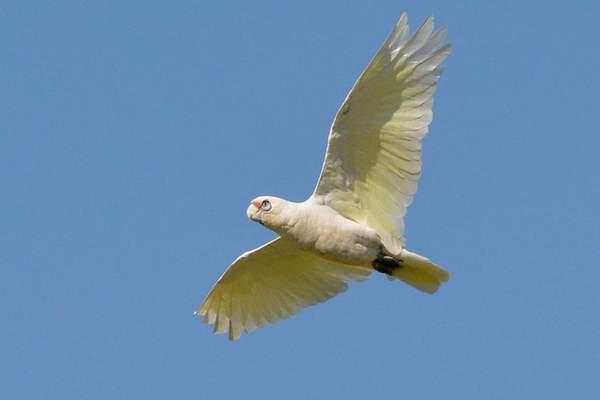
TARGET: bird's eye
(265,205)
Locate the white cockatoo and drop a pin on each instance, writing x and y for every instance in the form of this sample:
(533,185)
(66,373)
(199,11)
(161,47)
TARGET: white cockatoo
(353,222)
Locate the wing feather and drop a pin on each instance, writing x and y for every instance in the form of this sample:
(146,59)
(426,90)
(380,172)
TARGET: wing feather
(373,160)
(272,283)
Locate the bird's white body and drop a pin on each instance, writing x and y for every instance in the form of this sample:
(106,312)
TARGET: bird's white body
(353,223)
(324,231)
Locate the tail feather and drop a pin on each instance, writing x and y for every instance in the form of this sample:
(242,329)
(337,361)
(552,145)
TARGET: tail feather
(420,272)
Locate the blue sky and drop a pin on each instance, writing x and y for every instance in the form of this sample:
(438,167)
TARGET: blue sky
(134,134)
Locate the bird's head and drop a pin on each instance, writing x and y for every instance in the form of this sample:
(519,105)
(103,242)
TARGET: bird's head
(268,211)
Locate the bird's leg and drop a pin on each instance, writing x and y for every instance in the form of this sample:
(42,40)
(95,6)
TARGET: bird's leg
(386,264)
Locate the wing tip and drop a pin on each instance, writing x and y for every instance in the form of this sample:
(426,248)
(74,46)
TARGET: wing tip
(403,19)
(415,46)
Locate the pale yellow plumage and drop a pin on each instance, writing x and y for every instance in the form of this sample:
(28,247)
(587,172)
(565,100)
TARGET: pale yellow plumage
(370,174)
(373,159)
(271,283)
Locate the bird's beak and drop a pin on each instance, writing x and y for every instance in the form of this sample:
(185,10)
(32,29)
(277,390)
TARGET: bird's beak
(253,212)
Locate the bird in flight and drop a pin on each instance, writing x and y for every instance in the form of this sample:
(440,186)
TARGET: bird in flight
(353,223)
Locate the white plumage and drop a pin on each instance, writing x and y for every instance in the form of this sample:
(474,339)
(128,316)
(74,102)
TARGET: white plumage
(354,221)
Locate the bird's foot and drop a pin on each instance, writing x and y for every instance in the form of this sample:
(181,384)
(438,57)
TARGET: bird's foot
(386,264)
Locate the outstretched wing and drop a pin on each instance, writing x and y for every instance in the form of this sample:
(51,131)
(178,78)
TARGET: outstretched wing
(373,160)
(271,283)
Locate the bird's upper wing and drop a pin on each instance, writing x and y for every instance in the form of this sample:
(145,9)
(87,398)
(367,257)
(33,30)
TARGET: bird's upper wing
(373,159)
(271,283)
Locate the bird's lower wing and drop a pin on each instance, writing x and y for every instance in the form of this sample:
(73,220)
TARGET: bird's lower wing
(271,283)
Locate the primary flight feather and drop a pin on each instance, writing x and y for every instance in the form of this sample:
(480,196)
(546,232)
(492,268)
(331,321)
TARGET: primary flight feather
(354,221)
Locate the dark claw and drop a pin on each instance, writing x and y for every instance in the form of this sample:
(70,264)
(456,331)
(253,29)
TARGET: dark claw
(386,264)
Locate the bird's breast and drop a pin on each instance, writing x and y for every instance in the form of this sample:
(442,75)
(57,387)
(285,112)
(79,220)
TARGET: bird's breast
(329,234)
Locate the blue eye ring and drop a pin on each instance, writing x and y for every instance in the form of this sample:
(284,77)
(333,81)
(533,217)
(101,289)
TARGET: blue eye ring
(265,205)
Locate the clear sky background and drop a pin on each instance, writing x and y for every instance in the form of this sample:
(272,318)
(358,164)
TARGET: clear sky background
(134,134)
